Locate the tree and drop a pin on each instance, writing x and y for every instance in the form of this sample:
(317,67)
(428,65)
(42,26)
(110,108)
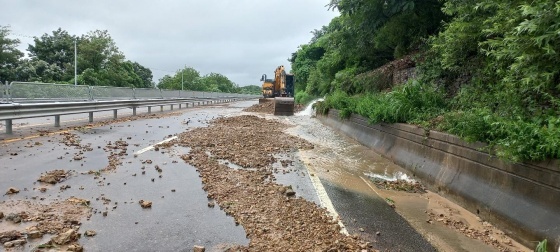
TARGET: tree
(216,82)
(188,76)
(96,50)
(144,73)
(56,50)
(9,55)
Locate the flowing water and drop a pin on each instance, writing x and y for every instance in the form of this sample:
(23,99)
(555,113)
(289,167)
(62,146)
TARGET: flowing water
(345,163)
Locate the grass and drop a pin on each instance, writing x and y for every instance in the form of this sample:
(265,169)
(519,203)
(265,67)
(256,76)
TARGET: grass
(510,137)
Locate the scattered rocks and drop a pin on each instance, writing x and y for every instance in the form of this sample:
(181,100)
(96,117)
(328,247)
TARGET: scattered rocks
(90,233)
(13,217)
(249,194)
(268,108)
(198,248)
(64,238)
(14,243)
(34,235)
(10,236)
(78,201)
(54,176)
(399,185)
(12,190)
(75,248)
(145,204)
(1,215)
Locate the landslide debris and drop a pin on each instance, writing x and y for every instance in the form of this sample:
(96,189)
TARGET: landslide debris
(273,219)
(268,108)
(488,234)
(57,218)
(54,176)
(117,151)
(399,185)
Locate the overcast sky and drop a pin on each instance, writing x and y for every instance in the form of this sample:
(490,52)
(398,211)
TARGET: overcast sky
(241,39)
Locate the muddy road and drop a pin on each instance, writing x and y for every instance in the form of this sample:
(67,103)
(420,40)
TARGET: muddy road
(220,178)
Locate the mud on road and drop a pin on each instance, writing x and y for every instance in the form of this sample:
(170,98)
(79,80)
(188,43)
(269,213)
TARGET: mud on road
(274,218)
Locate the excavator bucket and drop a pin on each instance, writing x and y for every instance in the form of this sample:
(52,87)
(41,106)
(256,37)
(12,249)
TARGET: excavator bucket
(284,106)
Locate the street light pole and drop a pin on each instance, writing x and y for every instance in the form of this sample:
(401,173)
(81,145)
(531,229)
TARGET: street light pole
(75,64)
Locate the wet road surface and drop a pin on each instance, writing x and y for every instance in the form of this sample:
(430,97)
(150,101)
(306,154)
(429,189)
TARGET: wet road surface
(180,217)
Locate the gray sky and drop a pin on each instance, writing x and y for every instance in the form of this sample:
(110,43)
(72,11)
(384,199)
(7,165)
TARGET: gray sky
(241,39)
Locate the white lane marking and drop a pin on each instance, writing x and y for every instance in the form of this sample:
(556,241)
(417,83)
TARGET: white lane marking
(152,146)
(368,184)
(325,200)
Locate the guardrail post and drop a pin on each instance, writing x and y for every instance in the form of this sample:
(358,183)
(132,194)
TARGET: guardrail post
(171,106)
(90,116)
(9,126)
(114,114)
(180,105)
(133,111)
(161,108)
(57,120)
(149,109)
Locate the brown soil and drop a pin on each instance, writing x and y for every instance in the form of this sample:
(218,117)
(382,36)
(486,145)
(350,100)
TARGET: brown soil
(273,218)
(268,108)
(54,176)
(36,220)
(399,185)
(487,233)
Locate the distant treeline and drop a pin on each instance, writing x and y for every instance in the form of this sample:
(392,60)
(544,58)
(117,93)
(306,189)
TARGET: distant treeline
(99,63)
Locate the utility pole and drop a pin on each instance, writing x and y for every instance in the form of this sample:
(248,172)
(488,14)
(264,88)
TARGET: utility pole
(75,64)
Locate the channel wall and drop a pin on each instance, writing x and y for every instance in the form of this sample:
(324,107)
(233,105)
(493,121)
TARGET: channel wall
(522,199)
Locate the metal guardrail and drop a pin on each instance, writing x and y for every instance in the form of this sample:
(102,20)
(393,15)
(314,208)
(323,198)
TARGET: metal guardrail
(21,100)
(24,92)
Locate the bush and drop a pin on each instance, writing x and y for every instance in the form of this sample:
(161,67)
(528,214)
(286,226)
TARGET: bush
(303,97)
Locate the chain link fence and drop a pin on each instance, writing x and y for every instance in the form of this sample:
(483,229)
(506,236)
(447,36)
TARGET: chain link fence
(49,92)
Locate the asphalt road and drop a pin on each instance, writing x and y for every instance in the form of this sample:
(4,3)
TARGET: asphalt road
(179,217)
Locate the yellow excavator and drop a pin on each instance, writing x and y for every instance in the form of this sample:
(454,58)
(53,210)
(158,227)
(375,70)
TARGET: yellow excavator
(281,89)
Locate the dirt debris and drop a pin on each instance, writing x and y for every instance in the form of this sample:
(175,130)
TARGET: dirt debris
(117,151)
(10,236)
(56,218)
(54,176)
(399,185)
(145,203)
(488,235)
(268,108)
(271,219)
(12,190)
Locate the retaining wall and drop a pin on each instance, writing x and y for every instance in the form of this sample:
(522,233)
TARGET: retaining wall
(522,199)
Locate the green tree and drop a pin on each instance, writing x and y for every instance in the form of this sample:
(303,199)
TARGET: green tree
(188,76)
(9,55)
(96,49)
(215,82)
(57,51)
(145,74)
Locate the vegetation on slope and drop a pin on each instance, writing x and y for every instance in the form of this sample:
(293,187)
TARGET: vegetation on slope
(487,70)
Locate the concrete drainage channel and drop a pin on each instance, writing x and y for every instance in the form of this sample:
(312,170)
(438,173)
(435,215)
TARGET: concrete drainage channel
(521,199)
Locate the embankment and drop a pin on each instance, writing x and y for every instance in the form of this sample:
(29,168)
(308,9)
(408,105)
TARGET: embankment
(523,199)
